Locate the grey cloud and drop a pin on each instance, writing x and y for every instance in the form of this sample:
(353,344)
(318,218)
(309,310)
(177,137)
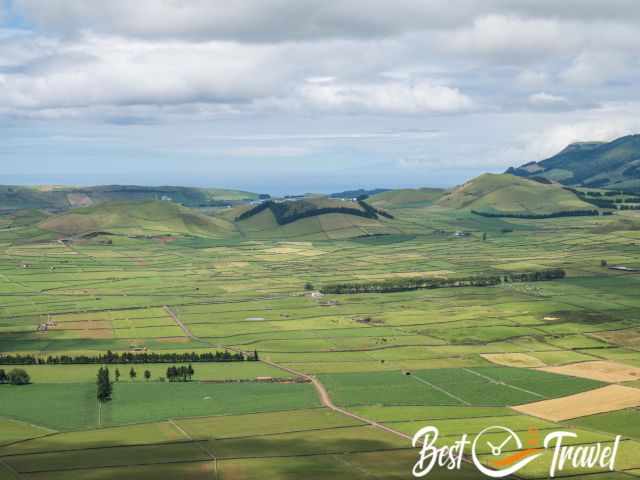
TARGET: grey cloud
(285,20)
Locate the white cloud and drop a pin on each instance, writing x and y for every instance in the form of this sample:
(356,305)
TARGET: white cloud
(547,100)
(511,37)
(602,124)
(348,56)
(320,79)
(388,97)
(532,79)
(595,68)
(113,71)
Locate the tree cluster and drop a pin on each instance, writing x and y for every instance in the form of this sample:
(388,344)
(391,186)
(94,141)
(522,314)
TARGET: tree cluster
(17,376)
(416,283)
(180,374)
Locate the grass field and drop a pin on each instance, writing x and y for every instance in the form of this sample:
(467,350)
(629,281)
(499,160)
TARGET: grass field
(623,422)
(470,352)
(148,402)
(484,386)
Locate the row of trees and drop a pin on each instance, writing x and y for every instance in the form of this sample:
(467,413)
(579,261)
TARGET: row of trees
(608,193)
(373,211)
(618,203)
(127,357)
(406,284)
(132,374)
(285,214)
(105,387)
(17,376)
(539,216)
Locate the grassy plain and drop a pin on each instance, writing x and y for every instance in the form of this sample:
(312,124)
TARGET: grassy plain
(246,292)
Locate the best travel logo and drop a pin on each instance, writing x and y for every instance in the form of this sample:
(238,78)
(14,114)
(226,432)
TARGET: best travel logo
(498,452)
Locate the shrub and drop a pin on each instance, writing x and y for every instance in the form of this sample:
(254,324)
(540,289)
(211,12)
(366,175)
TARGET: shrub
(18,376)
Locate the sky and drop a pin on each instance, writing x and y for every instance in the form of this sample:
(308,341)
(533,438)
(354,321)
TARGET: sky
(293,96)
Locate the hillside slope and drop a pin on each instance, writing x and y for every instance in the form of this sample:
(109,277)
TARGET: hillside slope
(591,164)
(406,197)
(316,218)
(60,198)
(494,193)
(137,218)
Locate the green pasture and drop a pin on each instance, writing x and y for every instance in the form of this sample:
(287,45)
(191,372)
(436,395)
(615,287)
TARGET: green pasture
(480,386)
(139,402)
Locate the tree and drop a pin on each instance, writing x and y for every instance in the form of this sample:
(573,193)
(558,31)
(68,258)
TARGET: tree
(3,376)
(308,286)
(105,388)
(484,236)
(117,375)
(172,373)
(147,375)
(190,371)
(132,373)
(603,263)
(18,376)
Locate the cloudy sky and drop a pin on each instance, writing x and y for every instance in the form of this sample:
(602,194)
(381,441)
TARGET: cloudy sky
(307,95)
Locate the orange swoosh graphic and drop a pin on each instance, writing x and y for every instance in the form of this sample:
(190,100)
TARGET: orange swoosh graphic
(511,459)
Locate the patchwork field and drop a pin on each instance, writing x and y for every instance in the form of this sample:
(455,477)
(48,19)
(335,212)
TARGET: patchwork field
(533,355)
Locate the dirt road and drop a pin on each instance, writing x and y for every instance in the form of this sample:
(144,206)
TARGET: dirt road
(184,328)
(325,398)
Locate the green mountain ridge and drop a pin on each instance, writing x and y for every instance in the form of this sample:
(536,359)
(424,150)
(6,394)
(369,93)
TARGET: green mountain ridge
(315,218)
(66,197)
(613,165)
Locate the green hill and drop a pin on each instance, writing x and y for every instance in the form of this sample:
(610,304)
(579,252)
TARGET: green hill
(64,197)
(137,218)
(614,164)
(316,218)
(406,197)
(506,193)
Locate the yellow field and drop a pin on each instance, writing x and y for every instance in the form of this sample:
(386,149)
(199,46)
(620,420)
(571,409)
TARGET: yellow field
(601,400)
(610,372)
